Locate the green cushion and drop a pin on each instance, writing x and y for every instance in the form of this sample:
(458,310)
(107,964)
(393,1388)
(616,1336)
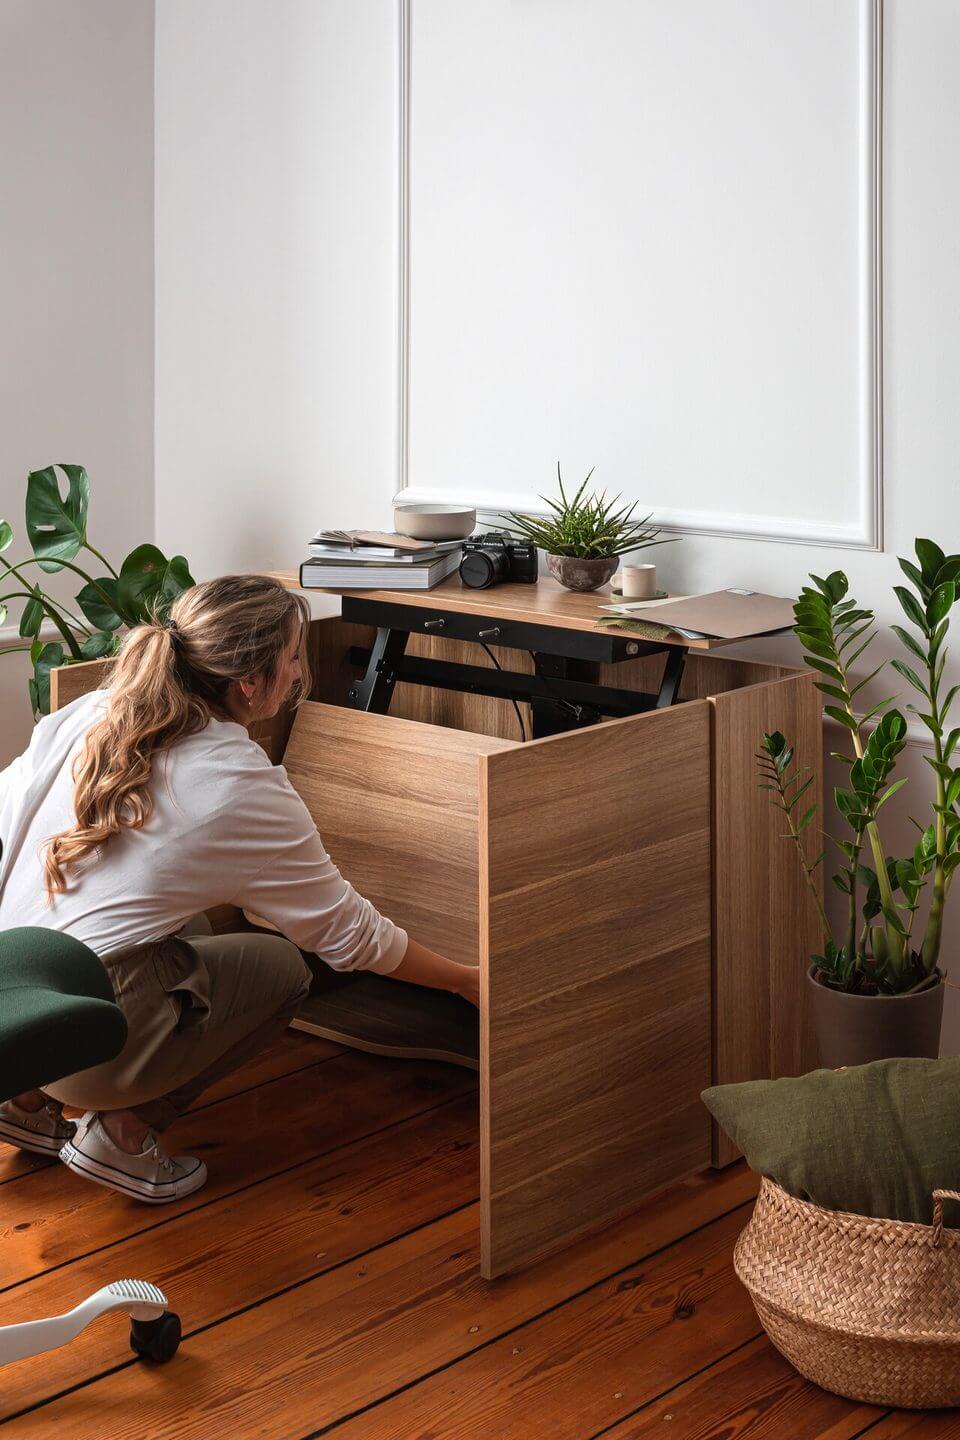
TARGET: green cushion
(57,1010)
(874,1140)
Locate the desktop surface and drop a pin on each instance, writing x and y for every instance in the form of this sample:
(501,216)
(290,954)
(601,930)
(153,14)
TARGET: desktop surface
(545,603)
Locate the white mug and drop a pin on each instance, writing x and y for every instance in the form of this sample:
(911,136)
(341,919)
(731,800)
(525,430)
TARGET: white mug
(639,581)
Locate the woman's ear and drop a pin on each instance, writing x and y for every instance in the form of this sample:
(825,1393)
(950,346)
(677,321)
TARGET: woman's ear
(248,688)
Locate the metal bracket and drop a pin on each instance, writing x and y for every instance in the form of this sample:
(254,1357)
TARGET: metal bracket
(373,692)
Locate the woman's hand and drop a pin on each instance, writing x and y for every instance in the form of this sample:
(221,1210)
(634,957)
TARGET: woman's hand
(421,966)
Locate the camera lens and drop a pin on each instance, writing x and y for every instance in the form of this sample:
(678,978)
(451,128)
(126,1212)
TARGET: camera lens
(482,568)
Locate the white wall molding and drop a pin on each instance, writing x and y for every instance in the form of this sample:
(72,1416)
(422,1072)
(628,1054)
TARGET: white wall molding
(10,634)
(404,18)
(867,532)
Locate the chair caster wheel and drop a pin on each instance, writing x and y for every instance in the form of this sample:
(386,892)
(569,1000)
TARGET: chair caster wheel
(156,1340)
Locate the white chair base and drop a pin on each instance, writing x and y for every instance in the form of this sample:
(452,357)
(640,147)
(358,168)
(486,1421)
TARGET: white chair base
(154,1331)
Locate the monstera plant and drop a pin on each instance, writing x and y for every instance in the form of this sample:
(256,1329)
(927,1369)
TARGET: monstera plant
(145,586)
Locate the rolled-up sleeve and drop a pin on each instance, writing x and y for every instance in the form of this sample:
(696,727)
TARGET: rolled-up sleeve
(299,889)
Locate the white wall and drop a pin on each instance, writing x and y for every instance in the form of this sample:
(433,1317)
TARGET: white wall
(76,274)
(276,243)
(276,251)
(276,264)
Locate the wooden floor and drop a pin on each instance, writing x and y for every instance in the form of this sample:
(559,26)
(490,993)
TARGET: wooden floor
(327,1281)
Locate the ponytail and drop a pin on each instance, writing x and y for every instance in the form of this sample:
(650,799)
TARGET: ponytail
(167,681)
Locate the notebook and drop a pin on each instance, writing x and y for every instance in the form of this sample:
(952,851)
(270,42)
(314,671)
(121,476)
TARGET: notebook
(378,539)
(365,554)
(317,575)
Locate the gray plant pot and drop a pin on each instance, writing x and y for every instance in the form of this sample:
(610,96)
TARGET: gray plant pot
(581,574)
(855,1029)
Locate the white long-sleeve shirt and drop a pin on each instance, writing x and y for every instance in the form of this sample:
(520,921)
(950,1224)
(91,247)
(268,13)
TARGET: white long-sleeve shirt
(227,827)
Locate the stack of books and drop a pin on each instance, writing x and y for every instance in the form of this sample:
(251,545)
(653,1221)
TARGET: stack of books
(375,560)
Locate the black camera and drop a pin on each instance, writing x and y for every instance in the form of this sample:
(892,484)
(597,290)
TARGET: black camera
(490,559)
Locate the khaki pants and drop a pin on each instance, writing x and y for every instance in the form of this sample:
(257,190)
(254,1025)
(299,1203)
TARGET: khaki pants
(197,1006)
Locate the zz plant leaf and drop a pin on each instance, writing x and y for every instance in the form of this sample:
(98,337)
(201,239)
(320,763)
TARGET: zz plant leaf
(879,953)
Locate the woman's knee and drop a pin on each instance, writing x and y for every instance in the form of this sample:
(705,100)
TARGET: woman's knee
(288,965)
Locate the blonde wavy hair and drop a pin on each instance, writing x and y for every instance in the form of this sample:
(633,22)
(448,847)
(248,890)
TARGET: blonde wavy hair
(169,678)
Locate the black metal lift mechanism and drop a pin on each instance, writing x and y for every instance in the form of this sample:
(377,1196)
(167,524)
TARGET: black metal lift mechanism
(561,692)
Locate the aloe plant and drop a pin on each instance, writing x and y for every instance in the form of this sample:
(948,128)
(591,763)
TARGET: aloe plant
(146,584)
(589,527)
(877,951)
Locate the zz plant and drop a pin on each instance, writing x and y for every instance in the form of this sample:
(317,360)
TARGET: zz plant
(146,584)
(880,950)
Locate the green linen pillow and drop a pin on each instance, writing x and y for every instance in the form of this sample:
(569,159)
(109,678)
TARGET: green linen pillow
(874,1140)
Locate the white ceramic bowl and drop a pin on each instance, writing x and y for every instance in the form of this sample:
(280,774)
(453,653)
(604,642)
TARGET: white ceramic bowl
(434,522)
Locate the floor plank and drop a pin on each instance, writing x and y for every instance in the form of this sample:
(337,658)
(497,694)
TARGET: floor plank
(252,1245)
(296,1051)
(582,1367)
(328,1281)
(58,1217)
(917,1425)
(355,1334)
(753,1393)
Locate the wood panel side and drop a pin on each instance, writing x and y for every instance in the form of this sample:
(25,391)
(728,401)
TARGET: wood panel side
(595,1003)
(69,682)
(765,924)
(396,803)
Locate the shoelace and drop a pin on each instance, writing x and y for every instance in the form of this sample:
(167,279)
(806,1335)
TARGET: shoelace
(162,1161)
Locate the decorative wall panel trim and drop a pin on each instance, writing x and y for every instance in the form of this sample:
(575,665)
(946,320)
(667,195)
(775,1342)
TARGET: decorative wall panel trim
(867,533)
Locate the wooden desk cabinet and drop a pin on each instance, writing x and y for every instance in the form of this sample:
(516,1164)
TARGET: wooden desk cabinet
(639,922)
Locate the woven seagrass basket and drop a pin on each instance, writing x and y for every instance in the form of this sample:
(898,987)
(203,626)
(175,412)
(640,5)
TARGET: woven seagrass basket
(867,1308)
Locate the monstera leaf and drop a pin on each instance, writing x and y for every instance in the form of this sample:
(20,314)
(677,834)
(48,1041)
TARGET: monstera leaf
(32,616)
(97,645)
(93,598)
(45,658)
(149,583)
(57,527)
(176,579)
(146,587)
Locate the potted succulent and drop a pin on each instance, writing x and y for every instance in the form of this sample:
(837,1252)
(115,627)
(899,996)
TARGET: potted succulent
(877,988)
(145,586)
(584,537)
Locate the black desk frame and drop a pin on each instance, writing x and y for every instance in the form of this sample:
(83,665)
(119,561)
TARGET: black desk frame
(562,693)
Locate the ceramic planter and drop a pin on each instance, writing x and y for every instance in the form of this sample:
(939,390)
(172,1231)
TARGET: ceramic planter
(578,574)
(855,1029)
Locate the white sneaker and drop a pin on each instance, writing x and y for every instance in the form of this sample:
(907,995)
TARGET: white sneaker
(43,1131)
(151,1176)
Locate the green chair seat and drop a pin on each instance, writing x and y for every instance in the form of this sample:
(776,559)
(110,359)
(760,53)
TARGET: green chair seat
(57,1010)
